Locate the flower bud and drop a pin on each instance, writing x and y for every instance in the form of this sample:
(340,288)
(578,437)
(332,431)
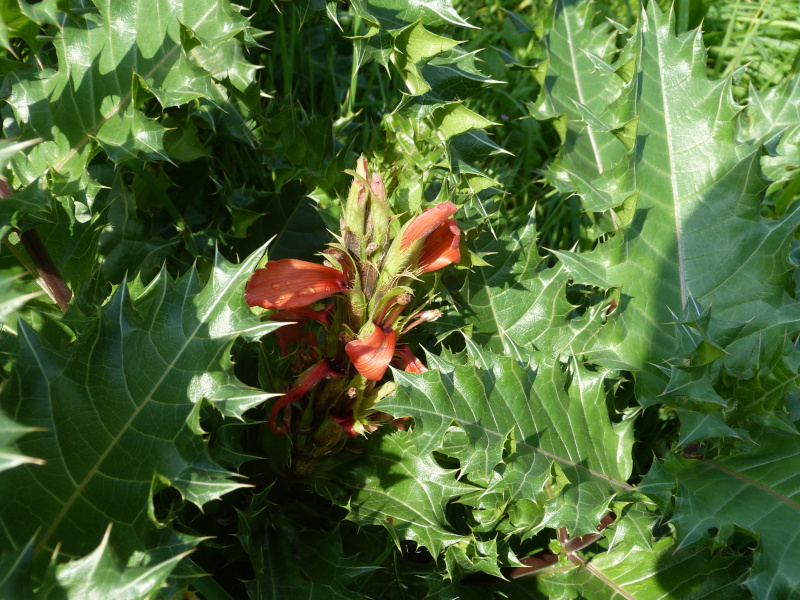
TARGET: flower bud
(355,212)
(377,187)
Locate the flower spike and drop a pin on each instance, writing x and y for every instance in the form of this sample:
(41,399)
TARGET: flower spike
(372,356)
(290,283)
(441,247)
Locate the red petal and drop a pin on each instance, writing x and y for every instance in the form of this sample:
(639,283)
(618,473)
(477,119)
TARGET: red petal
(288,335)
(441,247)
(301,315)
(409,362)
(312,377)
(372,356)
(423,225)
(291,283)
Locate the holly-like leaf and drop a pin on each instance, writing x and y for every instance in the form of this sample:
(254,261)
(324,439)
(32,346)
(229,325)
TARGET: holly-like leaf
(109,59)
(696,231)
(573,90)
(10,432)
(400,486)
(535,444)
(290,562)
(118,410)
(774,115)
(517,303)
(629,570)
(757,491)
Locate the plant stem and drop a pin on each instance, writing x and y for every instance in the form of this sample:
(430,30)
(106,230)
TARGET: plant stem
(47,269)
(45,272)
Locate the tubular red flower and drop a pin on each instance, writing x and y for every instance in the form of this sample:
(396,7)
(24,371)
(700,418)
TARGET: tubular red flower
(423,225)
(290,284)
(312,377)
(292,333)
(441,247)
(406,360)
(372,356)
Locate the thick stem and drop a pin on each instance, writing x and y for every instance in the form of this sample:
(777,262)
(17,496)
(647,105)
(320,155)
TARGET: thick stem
(49,278)
(47,268)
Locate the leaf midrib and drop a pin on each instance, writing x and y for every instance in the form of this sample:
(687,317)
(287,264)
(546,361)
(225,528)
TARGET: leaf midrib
(232,282)
(671,155)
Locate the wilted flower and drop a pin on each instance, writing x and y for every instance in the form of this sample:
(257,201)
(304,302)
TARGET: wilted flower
(311,378)
(405,359)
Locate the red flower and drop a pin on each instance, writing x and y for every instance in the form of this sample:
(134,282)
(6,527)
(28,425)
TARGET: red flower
(292,333)
(441,247)
(372,356)
(312,377)
(425,224)
(291,283)
(288,335)
(405,359)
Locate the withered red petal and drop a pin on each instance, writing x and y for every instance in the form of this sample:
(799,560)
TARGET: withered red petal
(287,335)
(372,356)
(291,283)
(410,363)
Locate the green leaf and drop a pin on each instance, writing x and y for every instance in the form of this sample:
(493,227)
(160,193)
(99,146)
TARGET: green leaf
(101,575)
(89,96)
(396,13)
(696,231)
(400,486)
(292,562)
(120,409)
(506,424)
(517,302)
(770,113)
(10,432)
(757,491)
(644,572)
(574,92)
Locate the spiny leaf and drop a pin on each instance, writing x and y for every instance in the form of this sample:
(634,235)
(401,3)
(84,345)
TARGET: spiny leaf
(574,93)
(401,487)
(291,562)
(518,303)
(120,411)
(89,96)
(10,432)
(697,229)
(506,424)
(758,491)
(641,572)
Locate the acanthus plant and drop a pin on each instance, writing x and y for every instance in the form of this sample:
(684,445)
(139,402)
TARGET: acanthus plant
(347,316)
